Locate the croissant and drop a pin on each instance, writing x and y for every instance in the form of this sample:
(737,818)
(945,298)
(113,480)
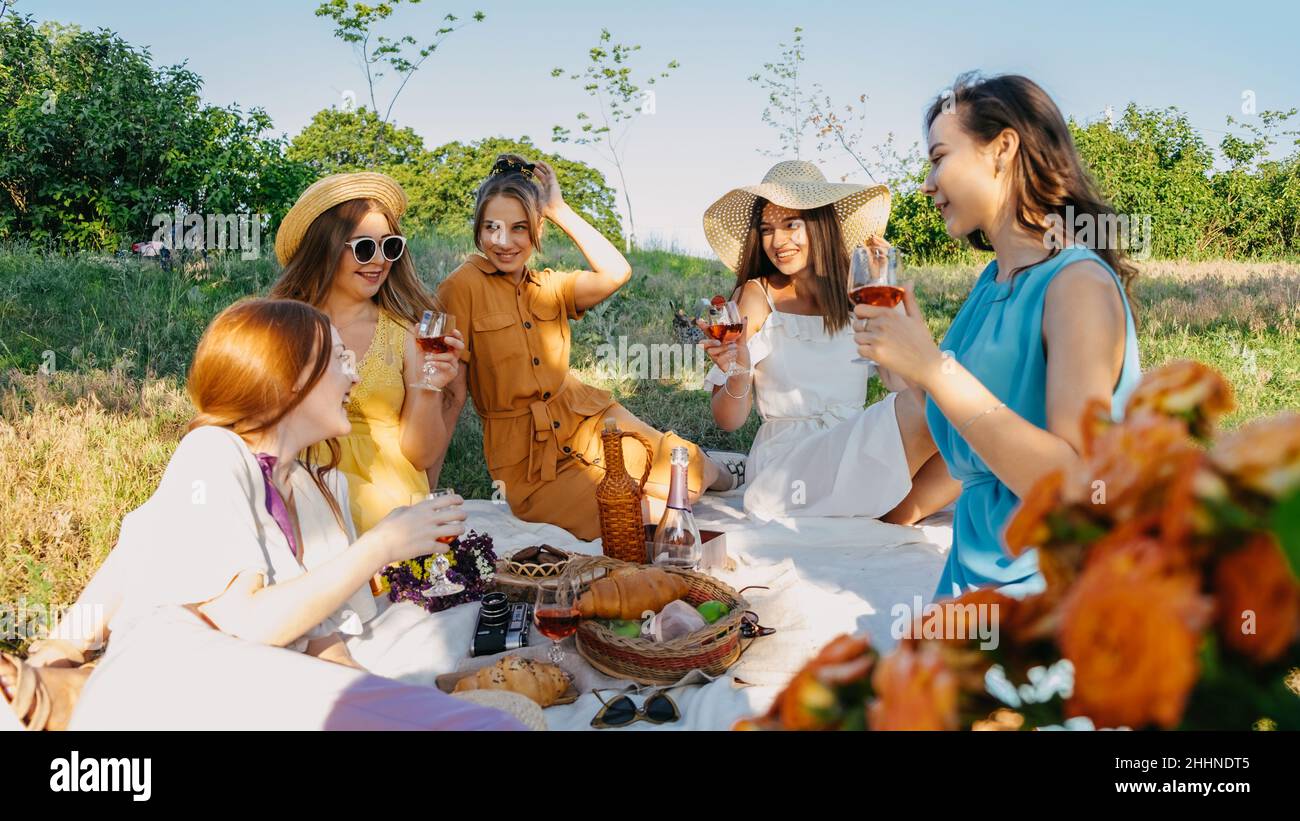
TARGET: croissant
(543,683)
(628,595)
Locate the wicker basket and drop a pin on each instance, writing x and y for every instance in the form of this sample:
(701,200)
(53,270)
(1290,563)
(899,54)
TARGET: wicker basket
(713,648)
(520,581)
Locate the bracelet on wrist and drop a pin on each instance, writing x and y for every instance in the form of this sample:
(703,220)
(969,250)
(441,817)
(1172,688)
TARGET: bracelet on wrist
(979,416)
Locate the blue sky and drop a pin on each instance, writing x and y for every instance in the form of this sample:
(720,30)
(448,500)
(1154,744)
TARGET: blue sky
(494,78)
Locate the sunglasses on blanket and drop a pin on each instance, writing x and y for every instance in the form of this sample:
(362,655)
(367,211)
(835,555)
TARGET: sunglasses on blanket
(659,708)
(365,249)
(751,629)
(749,626)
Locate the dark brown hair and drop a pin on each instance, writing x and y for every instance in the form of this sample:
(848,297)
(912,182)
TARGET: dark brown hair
(511,184)
(827,258)
(1047,176)
(308,275)
(247,365)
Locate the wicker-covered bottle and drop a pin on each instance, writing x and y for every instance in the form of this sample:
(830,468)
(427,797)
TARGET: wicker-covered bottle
(618,497)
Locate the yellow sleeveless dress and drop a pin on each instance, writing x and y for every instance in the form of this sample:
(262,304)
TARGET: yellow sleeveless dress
(379,476)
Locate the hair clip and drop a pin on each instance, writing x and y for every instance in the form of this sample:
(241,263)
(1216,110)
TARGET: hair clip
(505,165)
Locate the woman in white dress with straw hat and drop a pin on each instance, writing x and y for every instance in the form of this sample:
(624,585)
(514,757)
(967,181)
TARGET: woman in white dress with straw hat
(819,451)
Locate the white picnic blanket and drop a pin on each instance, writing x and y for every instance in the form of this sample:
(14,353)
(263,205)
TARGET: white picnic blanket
(826,576)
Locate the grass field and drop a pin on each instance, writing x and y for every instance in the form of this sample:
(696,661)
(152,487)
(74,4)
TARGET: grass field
(85,442)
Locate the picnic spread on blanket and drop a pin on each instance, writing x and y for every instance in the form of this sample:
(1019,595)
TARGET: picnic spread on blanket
(806,580)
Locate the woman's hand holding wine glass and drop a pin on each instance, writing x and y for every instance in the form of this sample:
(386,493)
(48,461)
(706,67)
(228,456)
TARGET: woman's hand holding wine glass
(417,530)
(440,343)
(725,327)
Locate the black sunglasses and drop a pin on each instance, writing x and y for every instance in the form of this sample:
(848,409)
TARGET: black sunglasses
(749,626)
(751,629)
(507,166)
(364,249)
(659,708)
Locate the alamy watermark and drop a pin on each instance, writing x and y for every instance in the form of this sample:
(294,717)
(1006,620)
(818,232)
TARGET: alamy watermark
(1130,233)
(948,621)
(21,621)
(657,360)
(211,232)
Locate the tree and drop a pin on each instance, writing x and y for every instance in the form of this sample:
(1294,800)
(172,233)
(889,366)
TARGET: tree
(607,78)
(1154,162)
(94,142)
(448,193)
(1260,197)
(338,140)
(379,54)
(440,184)
(786,110)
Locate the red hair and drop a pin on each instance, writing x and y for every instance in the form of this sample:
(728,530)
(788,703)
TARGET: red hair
(247,365)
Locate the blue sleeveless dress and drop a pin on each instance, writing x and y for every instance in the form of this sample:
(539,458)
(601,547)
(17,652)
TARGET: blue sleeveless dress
(997,336)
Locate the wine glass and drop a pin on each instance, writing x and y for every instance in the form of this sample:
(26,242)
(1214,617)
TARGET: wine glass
(439,584)
(431,337)
(874,283)
(555,611)
(725,325)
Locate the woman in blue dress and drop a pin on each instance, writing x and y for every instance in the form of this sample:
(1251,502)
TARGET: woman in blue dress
(1046,328)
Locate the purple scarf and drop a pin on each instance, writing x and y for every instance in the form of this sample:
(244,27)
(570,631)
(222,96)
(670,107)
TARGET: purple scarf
(274,503)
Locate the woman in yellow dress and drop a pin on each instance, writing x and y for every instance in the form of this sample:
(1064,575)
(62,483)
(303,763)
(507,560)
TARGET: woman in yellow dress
(343,252)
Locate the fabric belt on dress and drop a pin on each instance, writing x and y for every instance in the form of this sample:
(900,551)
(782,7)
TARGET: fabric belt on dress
(973,479)
(825,418)
(544,426)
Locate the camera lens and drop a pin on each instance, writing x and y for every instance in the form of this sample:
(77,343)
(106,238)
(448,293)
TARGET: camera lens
(494,609)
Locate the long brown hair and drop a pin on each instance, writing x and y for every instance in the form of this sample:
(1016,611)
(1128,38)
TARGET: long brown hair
(1047,176)
(827,258)
(308,275)
(246,367)
(514,184)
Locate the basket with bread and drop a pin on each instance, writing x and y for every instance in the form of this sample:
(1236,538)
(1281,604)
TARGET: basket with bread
(653,624)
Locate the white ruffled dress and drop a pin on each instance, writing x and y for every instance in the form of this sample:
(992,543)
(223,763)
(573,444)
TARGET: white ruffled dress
(819,452)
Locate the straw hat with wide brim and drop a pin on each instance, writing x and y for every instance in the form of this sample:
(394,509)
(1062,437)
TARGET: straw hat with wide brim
(328,192)
(862,210)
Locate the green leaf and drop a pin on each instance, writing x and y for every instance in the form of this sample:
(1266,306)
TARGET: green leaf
(1285,524)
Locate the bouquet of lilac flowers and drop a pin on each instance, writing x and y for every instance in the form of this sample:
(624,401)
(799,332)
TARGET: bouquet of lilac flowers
(473,564)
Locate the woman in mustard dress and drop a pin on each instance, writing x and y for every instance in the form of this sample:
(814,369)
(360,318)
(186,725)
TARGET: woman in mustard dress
(343,252)
(541,425)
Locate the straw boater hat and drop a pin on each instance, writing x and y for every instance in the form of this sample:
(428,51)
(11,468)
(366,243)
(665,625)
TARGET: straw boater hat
(862,210)
(328,192)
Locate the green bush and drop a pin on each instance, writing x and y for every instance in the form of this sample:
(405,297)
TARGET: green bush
(94,142)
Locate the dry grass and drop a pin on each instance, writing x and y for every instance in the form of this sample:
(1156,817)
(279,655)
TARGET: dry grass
(77,453)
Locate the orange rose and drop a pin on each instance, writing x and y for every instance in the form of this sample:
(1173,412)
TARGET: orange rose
(1095,420)
(914,691)
(953,627)
(1028,526)
(1188,390)
(1131,629)
(1258,600)
(1129,467)
(1263,455)
(1186,513)
(1132,548)
(811,700)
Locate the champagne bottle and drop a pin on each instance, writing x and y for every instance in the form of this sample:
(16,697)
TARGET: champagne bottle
(677,539)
